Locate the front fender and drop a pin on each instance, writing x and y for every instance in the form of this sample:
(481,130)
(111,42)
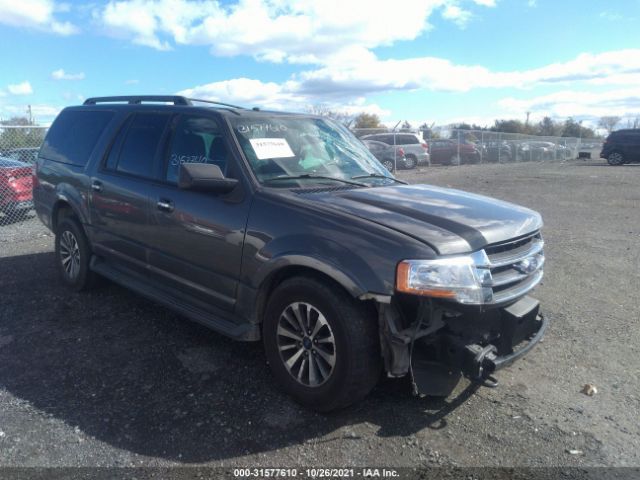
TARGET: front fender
(346,266)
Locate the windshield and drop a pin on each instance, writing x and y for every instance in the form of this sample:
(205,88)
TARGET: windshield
(305,150)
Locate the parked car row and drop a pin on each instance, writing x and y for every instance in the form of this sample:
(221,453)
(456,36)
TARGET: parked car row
(407,150)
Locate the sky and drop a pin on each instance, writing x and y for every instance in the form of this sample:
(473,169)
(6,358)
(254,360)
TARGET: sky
(433,61)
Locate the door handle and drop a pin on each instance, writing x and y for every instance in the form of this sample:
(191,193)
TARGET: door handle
(165,205)
(96,186)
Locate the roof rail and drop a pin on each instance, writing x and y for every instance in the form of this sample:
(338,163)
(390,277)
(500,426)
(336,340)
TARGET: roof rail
(215,103)
(138,99)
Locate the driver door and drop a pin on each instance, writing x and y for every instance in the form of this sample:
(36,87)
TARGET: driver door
(196,236)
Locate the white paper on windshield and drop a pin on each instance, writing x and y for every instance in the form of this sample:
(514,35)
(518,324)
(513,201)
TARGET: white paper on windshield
(271,148)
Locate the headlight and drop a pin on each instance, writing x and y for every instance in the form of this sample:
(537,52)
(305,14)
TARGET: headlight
(465,279)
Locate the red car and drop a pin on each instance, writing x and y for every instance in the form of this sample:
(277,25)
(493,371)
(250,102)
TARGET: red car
(448,152)
(15,187)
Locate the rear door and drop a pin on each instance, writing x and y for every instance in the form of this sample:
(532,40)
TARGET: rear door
(120,191)
(197,237)
(631,145)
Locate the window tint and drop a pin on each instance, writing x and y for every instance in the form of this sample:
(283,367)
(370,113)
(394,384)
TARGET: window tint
(74,134)
(140,144)
(196,140)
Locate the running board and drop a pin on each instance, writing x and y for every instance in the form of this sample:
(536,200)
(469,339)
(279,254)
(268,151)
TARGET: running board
(244,332)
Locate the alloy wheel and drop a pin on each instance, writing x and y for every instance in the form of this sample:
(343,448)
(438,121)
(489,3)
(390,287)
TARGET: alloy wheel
(70,254)
(306,344)
(615,158)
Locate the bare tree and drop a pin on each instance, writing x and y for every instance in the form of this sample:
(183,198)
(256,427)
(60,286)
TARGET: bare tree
(324,110)
(609,123)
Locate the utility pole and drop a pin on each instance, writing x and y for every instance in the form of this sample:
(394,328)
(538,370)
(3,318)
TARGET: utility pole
(30,114)
(527,121)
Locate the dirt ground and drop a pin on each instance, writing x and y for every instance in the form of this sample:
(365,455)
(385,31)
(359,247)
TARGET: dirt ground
(109,379)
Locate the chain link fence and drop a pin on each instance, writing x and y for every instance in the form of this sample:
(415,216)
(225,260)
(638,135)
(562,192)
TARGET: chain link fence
(407,149)
(19,146)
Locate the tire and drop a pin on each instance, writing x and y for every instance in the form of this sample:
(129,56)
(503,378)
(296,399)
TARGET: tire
(410,162)
(388,164)
(350,363)
(471,159)
(615,159)
(455,160)
(73,255)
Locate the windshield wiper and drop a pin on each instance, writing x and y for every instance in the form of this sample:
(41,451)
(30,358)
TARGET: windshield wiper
(379,175)
(314,177)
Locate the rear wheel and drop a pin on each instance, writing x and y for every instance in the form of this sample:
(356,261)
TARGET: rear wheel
(388,164)
(321,344)
(615,158)
(410,162)
(73,255)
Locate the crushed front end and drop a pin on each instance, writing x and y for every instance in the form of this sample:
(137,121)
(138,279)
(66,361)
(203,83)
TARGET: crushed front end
(464,315)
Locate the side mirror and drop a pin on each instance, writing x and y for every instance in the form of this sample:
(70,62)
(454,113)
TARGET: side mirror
(204,177)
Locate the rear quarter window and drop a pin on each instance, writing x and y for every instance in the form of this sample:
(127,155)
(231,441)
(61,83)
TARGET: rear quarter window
(74,134)
(407,140)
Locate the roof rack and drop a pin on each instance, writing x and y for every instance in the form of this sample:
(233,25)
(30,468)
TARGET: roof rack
(138,99)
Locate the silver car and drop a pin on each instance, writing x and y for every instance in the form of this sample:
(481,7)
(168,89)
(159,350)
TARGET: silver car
(416,151)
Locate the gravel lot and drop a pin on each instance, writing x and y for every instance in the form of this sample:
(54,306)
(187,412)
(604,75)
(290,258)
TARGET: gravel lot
(110,379)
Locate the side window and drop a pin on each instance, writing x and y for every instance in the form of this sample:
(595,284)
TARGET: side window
(196,140)
(408,140)
(73,135)
(140,145)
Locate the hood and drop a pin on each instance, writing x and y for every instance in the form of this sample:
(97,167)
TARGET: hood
(450,221)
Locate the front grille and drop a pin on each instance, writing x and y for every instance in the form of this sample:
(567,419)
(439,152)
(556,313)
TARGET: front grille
(516,266)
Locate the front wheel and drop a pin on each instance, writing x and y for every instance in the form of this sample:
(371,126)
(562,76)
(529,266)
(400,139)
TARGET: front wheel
(322,345)
(388,164)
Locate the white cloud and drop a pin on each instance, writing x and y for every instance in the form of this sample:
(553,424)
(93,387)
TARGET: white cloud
(349,77)
(611,16)
(23,88)
(456,14)
(620,102)
(248,92)
(60,74)
(360,73)
(38,14)
(270,95)
(133,81)
(297,31)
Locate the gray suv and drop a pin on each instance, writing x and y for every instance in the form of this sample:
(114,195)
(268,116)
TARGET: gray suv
(416,151)
(285,229)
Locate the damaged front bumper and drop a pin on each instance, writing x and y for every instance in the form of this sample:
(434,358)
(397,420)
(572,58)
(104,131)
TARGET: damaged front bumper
(437,343)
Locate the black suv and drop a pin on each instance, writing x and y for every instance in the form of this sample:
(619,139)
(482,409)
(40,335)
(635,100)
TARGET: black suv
(622,146)
(285,228)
